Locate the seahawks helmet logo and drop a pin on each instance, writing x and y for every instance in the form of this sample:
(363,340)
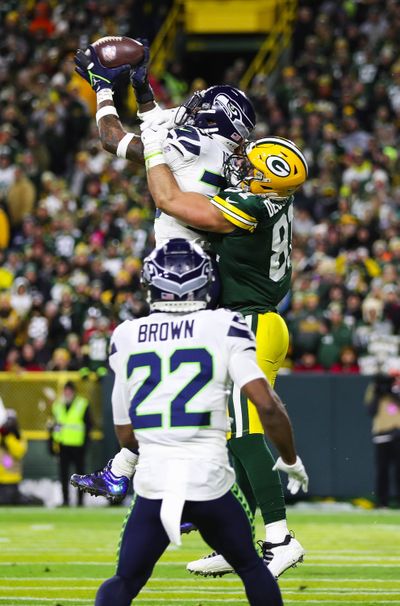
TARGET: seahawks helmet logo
(278,166)
(228,106)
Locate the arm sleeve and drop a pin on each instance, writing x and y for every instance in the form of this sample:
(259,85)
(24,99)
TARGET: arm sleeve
(240,208)
(120,402)
(243,368)
(242,365)
(120,396)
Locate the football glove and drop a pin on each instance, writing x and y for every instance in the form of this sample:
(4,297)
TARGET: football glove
(139,76)
(298,477)
(159,117)
(89,67)
(153,140)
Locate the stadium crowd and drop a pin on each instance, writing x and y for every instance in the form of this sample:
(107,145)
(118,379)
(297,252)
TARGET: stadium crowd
(76,222)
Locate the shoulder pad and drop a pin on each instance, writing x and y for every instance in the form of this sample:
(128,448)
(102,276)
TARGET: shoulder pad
(186,139)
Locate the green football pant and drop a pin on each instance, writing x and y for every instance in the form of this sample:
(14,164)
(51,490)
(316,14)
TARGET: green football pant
(251,456)
(253,462)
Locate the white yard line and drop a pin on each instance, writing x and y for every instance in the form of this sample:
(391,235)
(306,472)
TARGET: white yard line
(226,579)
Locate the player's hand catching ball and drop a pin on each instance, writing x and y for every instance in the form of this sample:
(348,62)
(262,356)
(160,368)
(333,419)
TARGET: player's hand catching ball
(298,477)
(139,76)
(89,67)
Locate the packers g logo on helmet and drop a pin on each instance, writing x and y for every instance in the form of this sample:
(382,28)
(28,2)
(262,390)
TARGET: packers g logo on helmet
(277,167)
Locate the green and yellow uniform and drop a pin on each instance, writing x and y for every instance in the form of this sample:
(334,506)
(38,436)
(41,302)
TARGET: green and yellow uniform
(255,270)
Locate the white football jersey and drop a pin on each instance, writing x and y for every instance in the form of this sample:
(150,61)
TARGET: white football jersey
(196,161)
(172,379)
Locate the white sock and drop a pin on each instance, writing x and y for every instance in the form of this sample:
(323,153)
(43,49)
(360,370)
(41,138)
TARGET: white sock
(276,531)
(124,463)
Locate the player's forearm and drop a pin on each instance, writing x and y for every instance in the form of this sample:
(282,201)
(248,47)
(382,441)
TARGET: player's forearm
(126,437)
(112,133)
(191,208)
(273,417)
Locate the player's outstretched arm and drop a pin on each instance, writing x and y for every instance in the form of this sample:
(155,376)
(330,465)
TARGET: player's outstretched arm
(277,426)
(189,207)
(113,137)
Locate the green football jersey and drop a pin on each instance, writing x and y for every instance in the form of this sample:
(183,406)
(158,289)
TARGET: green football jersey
(254,260)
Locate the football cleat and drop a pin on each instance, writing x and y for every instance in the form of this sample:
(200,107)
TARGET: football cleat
(102,483)
(213,565)
(187,527)
(281,556)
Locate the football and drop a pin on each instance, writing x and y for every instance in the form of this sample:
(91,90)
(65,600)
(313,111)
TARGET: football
(114,51)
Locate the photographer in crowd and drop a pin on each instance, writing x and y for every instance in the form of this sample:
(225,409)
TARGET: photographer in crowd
(383,401)
(12,450)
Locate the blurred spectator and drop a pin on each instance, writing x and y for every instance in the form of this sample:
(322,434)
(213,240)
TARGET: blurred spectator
(13,448)
(21,299)
(336,335)
(21,197)
(27,359)
(347,363)
(60,360)
(383,401)
(308,363)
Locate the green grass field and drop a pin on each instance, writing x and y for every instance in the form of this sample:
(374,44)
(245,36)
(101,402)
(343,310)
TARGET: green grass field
(59,557)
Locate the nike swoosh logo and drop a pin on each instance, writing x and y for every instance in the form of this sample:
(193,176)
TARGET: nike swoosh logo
(231,201)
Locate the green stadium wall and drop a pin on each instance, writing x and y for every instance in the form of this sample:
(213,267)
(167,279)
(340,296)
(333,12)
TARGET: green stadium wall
(333,434)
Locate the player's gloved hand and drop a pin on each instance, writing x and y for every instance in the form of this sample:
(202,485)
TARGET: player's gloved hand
(153,139)
(139,76)
(298,477)
(89,67)
(161,117)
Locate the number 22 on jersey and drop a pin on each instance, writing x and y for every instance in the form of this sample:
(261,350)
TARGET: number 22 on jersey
(177,415)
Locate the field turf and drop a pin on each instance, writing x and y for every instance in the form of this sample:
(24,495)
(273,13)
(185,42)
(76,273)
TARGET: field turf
(58,557)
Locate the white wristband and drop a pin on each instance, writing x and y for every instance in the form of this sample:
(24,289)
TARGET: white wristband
(107,110)
(105,94)
(123,145)
(150,114)
(154,159)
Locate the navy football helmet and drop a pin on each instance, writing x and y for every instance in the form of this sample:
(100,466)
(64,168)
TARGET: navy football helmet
(178,277)
(221,111)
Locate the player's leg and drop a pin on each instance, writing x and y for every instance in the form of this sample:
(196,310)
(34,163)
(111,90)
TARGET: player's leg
(396,463)
(247,444)
(280,549)
(79,464)
(143,541)
(253,460)
(64,461)
(215,564)
(382,462)
(215,520)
